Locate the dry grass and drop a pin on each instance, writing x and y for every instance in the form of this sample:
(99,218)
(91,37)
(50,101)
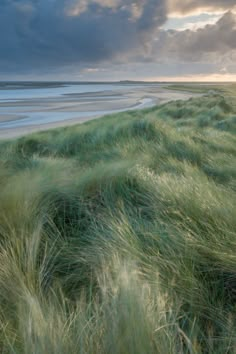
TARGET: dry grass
(118,236)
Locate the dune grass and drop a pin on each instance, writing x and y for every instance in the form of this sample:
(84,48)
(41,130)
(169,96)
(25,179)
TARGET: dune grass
(118,235)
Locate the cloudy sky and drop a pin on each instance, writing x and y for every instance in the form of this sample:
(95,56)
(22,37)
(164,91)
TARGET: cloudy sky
(118,39)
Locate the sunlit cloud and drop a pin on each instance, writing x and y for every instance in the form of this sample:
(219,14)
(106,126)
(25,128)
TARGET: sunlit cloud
(135,39)
(182,8)
(191,22)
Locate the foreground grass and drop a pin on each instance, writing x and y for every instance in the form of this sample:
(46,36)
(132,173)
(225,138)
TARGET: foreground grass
(118,236)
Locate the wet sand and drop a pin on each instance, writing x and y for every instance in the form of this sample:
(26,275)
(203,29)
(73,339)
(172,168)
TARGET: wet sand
(25,116)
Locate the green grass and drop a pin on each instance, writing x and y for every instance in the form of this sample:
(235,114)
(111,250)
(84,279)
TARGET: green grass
(118,235)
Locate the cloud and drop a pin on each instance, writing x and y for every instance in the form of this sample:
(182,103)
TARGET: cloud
(194,26)
(199,6)
(83,36)
(38,34)
(210,43)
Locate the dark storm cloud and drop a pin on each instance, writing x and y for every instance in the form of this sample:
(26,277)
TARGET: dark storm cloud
(186,6)
(44,33)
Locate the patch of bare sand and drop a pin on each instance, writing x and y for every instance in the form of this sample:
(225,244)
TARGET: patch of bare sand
(9,117)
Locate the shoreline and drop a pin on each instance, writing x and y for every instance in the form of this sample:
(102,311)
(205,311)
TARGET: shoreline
(36,115)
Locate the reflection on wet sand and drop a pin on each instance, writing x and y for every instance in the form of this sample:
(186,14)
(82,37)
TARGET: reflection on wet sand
(27,110)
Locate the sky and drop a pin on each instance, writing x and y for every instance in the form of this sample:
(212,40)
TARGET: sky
(110,40)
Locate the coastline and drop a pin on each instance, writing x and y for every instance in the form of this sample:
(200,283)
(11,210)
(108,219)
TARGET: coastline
(36,115)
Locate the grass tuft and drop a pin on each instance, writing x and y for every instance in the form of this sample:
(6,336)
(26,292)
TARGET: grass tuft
(118,235)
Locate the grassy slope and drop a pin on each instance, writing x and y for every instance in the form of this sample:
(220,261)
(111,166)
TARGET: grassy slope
(118,235)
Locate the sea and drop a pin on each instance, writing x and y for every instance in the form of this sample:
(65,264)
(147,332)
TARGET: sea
(25,104)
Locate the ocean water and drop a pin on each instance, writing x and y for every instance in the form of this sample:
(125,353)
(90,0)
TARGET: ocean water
(40,92)
(23,105)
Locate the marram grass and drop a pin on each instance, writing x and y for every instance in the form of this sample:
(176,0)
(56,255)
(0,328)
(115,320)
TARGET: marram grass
(118,235)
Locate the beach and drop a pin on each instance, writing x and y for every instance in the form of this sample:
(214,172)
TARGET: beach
(25,110)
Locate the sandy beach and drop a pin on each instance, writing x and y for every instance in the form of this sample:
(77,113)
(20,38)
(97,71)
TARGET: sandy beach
(21,116)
